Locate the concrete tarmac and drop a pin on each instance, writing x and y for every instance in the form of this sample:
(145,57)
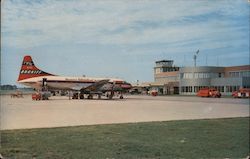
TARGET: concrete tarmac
(22,113)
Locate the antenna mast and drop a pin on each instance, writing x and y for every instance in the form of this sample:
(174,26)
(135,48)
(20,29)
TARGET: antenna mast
(195,57)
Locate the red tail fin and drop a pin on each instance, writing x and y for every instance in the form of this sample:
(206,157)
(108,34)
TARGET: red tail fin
(29,70)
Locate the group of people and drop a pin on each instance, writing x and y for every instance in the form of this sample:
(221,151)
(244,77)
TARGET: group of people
(17,94)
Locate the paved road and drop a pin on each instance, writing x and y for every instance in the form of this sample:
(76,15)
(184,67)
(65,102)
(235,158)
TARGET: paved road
(59,111)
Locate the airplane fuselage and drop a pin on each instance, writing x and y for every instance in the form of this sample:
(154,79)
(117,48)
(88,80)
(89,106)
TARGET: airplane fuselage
(72,83)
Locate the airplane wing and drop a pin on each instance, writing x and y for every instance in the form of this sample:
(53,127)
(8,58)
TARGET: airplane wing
(76,87)
(95,86)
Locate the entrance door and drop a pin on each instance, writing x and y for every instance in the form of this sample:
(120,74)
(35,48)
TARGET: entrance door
(161,90)
(176,90)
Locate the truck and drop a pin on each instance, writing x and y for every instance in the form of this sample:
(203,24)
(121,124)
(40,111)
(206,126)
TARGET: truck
(242,93)
(209,92)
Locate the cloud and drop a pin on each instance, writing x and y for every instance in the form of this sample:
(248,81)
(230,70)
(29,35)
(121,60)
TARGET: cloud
(115,22)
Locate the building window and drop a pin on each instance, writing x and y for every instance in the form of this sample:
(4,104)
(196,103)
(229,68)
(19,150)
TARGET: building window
(196,89)
(187,89)
(181,75)
(190,89)
(196,75)
(246,74)
(203,75)
(240,74)
(188,75)
(232,88)
(219,88)
(158,70)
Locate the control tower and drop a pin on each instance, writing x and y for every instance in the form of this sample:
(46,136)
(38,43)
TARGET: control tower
(166,76)
(164,66)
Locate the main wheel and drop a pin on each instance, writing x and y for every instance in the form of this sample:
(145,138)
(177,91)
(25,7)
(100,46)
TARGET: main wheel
(110,96)
(81,96)
(90,96)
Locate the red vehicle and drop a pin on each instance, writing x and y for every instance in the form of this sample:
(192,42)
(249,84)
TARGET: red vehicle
(209,92)
(36,96)
(242,93)
(41,95)
(153,92)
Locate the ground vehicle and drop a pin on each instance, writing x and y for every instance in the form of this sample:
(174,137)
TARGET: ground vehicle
(36,96)
(242,93)
(209,92)
(134,91)
(153,92)
(41,95)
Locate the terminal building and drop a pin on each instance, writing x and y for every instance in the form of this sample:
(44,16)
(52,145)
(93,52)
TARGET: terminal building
(224,79)
(169,79)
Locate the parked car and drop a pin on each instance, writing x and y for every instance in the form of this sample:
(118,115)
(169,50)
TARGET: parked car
(242,93)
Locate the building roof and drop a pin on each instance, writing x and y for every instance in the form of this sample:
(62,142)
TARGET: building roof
(237,68)
(163,61)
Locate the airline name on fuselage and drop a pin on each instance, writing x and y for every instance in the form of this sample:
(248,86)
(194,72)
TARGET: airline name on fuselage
(79,79)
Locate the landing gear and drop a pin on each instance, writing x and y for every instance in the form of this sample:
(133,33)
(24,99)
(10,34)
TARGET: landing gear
(110,96)
(90,96)
(81,96)
(75,96)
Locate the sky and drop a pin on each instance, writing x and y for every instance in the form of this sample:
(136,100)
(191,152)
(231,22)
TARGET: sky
(121,38)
